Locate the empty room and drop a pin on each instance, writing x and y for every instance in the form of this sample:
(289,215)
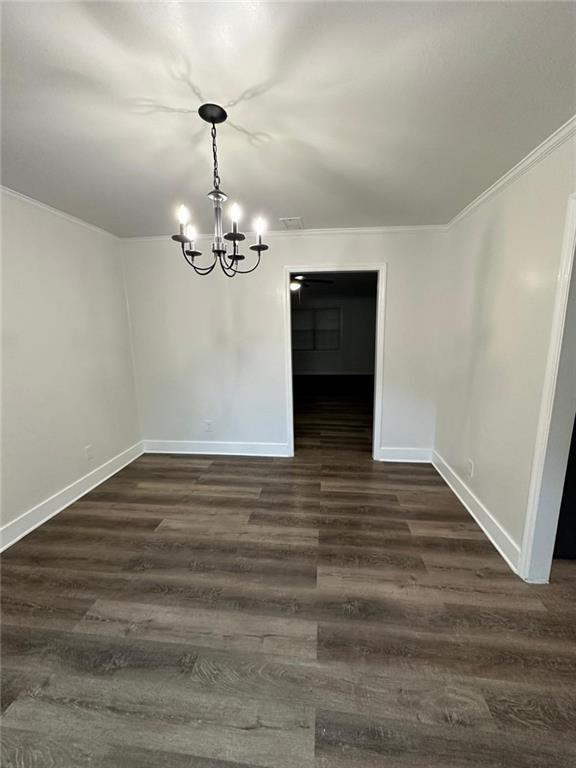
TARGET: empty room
(288,384)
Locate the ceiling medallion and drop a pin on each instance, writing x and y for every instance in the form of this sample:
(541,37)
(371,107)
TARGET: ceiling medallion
(230,263)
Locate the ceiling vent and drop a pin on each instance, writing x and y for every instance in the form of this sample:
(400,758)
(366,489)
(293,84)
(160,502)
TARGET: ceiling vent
(292,222)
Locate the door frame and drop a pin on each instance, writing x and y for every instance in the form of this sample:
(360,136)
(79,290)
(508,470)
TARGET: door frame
(547,477)
(380,270)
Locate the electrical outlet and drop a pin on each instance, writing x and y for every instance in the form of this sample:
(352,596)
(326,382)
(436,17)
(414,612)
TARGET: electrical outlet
(89,451)
(208,426)
(470,465)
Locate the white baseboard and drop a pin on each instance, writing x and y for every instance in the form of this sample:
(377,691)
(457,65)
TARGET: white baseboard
(409,455)
(499,537)
(32,518)
(217,448)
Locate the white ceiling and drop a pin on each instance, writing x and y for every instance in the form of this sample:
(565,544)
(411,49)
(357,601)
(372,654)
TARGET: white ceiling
(347,114)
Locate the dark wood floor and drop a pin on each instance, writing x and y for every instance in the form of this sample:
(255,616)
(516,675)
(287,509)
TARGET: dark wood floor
(327,611)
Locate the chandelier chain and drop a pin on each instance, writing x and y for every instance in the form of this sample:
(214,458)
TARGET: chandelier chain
(215,156)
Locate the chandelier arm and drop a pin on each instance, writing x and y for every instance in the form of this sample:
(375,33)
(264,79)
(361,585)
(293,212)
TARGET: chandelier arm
(189,261)
(228,269)
(247,271)
(197,269)
(229,264)
(226,263)
(203,270)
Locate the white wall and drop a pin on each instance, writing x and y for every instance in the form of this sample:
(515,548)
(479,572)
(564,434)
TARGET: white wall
(355,354)
(502,266)
(214,348)
(67,370)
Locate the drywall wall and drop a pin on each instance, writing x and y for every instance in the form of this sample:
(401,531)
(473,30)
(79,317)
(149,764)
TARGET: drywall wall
(210,353)
(355,353)
(67,370)
(501,271)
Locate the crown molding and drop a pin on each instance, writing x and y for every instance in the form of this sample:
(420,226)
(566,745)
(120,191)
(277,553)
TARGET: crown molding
(556,139)
(274,234)
(56,211)
(383,230)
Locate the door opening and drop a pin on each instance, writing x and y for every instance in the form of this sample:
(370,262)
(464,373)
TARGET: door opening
(333,340)
(565,546)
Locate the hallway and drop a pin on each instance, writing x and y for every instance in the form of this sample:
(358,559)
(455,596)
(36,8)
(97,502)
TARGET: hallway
(334,413)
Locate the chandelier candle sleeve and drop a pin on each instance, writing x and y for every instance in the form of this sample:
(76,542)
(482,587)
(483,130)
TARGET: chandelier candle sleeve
(229,262)
(260,227)
(235,215)
(191,235)
(183,217)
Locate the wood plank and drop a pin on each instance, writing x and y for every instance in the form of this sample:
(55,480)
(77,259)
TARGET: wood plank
(214,567)
(356,742)
(424,587)
(142,715)
(17,682)
(262,534)
(45,609)
(214,629)
(326,521)
(22,748)
(480,657)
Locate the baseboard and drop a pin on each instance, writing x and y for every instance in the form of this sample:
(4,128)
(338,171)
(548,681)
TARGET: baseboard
(499,537)
(209,447)
(32,518)
(409,455)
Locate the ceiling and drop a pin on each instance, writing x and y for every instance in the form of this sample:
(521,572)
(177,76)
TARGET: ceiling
(346,114)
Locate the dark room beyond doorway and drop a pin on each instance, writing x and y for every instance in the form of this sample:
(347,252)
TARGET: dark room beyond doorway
(333,356)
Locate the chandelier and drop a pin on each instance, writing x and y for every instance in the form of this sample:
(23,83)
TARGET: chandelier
(229,262)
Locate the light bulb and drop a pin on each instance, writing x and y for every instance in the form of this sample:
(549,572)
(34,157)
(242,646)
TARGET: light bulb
(183,215)
(235,213)
(294,286)
(298,277)
(259,226)
(191,232)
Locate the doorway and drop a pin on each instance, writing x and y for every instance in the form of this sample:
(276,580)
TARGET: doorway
(335,360)
(565,545)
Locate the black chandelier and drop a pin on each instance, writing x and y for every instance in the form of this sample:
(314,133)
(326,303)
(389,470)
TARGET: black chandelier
(230,263)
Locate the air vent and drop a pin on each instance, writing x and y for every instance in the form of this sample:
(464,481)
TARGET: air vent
(292,222)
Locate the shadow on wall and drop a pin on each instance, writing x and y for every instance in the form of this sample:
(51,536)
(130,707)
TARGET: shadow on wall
(470,346)
(484,281)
